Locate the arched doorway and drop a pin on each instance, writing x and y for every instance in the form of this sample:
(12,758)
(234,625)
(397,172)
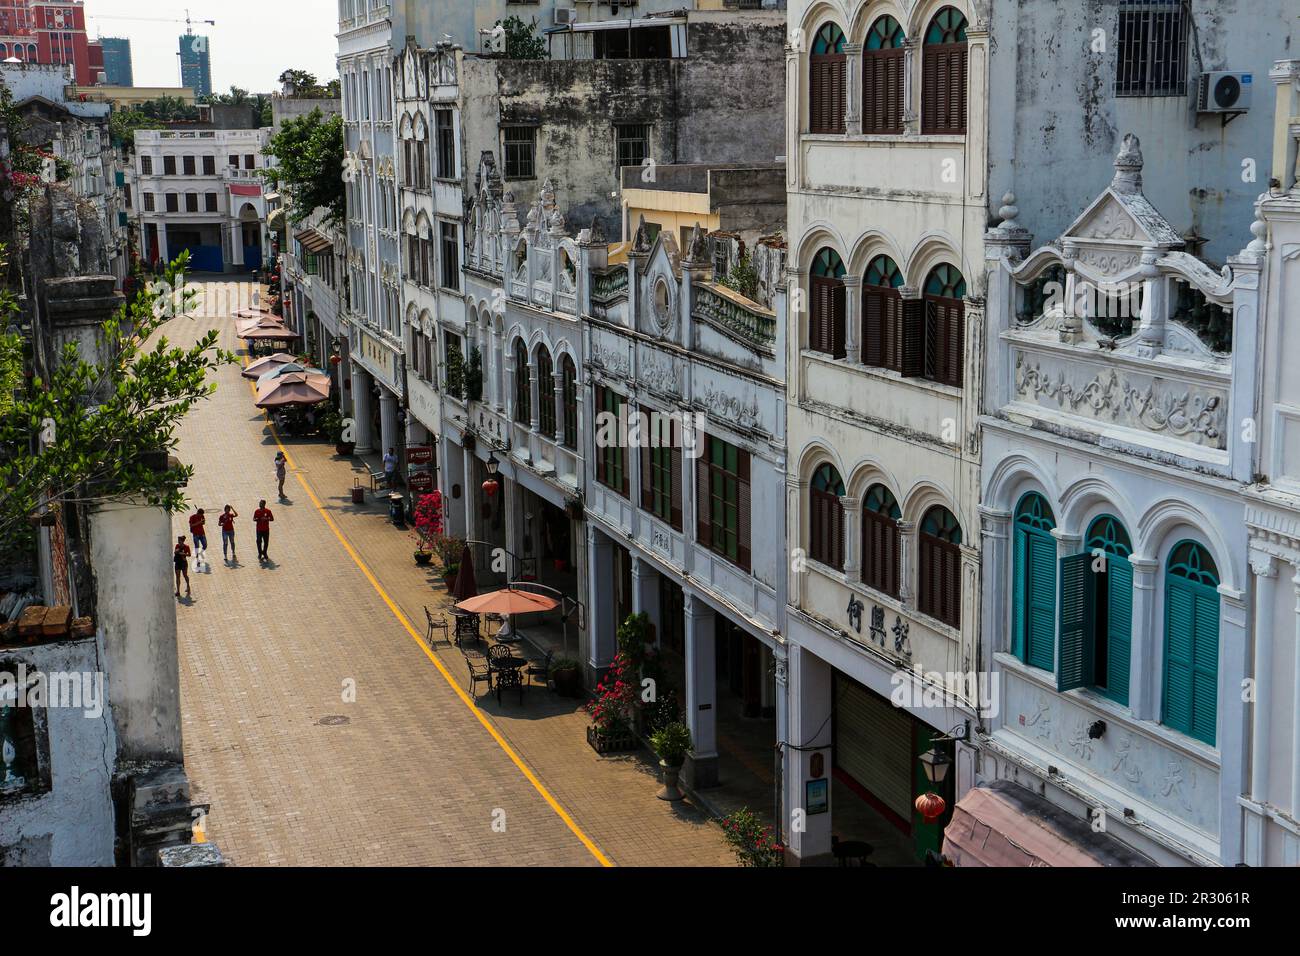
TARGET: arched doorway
(250,233)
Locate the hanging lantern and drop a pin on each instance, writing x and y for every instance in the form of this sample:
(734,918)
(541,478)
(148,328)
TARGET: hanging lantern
(931,806)
(490,487)
(336,360)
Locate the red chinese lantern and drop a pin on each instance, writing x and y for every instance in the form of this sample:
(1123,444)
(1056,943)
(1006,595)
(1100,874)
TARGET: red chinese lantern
(490,487)
(336,360)
(931,806)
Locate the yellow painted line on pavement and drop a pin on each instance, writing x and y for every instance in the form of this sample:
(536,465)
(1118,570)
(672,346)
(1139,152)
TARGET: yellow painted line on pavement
(428,652)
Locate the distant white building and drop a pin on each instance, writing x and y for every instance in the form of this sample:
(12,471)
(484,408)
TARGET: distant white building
(202,190)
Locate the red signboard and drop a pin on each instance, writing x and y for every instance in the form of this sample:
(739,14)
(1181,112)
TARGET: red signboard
(419,454)
(420,481)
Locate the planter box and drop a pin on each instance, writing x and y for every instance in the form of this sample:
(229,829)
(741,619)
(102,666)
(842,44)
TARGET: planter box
(623,741)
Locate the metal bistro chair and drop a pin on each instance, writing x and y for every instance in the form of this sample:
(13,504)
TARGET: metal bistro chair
(438,625)
(480,672)
(540,668)
(505,676)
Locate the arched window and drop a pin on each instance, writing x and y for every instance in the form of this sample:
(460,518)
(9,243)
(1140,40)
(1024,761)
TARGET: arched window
(1033,618)
(1097,612)
(569,373)
(943,74)
(545,392)
(882,315)
(880,546)
(882,78)
(940,567)
(523,385)
(826,84)
(826,542)
(945,325)
(826,313)
(1191,672)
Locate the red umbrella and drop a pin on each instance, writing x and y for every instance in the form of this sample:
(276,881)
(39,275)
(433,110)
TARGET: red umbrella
(466,586)
(296,388)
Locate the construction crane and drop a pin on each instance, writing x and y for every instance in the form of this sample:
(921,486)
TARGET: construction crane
(188,21)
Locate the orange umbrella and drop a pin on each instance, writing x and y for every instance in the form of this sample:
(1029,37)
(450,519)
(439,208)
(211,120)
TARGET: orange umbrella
(256,370)
(296,388)
(509,602)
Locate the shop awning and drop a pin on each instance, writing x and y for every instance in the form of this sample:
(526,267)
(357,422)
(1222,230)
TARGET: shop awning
(239,189)
(314,242)
(1003,824)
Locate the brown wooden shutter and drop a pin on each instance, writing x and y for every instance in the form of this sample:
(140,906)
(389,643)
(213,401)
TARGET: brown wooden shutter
(837,533)
(929,89)
(826,101)
(891,349)
(703,528)
(892,560)
(839,73)
(882,91)
(957,89)
(623,458)
(933,340)
(743,506)
(820,319)
(873,328)
(956,340)
(675,478)
(913,338)
(838,308)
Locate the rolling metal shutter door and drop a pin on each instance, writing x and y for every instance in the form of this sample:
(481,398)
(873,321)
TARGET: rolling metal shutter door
(873,745)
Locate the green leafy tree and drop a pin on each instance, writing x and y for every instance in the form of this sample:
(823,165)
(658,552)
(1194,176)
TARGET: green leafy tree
(309,151)
(86,435)
(236,97)
(522,39)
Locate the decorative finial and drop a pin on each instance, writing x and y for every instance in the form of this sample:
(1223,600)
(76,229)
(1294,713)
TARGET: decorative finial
(1009,211)
(1259,230)
(1128,166)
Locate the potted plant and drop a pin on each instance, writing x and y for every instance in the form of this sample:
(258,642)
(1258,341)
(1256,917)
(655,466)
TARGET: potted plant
(428,525)
(671,743)
(331,423)
(613,710)
(566,674)
(449,550)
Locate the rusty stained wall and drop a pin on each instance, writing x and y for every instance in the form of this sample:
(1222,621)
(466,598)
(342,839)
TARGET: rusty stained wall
(1055,149)
(725,102)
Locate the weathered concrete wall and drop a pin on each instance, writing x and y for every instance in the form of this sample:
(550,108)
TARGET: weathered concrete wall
(70,823)
(1055,148)
(723,103)
(130,551)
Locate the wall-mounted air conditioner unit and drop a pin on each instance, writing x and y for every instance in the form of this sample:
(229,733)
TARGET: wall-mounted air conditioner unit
(565,16)
(1224,92)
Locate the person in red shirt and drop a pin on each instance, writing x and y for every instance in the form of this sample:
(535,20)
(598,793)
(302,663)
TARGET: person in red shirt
(227,523)
(199,534)
(181,561)
(262,519)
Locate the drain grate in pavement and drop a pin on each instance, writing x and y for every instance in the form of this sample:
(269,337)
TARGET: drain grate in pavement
(334,720)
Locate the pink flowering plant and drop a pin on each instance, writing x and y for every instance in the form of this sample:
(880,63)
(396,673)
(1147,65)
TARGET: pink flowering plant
(751,840)
(428,518)
(612,710)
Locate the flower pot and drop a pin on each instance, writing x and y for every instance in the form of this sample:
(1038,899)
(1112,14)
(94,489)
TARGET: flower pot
(423,557)
(345,448)
(609,742)
(670,790)
(449,577)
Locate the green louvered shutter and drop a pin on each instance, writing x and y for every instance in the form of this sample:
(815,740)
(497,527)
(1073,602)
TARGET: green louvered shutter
(1205,670)
(1180,623)
(1077,617)
(1019,616)
(1119,637)
(1041,623)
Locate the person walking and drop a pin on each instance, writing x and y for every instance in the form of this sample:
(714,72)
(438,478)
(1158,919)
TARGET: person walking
(199,534)
(181,562)
(390,467)
(281,471)
(227,523)
(262,519)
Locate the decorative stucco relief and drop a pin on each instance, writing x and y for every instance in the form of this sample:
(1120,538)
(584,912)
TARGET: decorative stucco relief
(1151,404)
(732,409)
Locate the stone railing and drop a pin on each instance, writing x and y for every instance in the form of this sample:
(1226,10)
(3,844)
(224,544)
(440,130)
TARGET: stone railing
(610,286)
(735,315)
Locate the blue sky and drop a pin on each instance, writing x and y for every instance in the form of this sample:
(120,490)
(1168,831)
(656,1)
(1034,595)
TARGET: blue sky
(252,42)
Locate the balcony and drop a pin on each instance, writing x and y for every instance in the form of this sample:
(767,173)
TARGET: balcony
(735,316)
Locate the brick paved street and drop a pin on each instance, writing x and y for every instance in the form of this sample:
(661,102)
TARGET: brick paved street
(409,773)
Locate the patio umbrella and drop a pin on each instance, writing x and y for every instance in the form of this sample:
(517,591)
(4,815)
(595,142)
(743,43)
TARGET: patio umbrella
(509,602)
(255,370)
(288,368)
(466,585)
(272,333)
(297,388)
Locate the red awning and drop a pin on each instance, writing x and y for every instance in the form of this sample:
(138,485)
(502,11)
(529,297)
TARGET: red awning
(237,189)
(1004,824)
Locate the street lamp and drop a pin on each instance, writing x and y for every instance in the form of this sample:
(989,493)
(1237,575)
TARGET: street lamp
(491,486)
(493,465)
(935,763)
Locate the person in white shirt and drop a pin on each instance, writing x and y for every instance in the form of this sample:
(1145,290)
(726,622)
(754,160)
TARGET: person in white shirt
(390,466)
